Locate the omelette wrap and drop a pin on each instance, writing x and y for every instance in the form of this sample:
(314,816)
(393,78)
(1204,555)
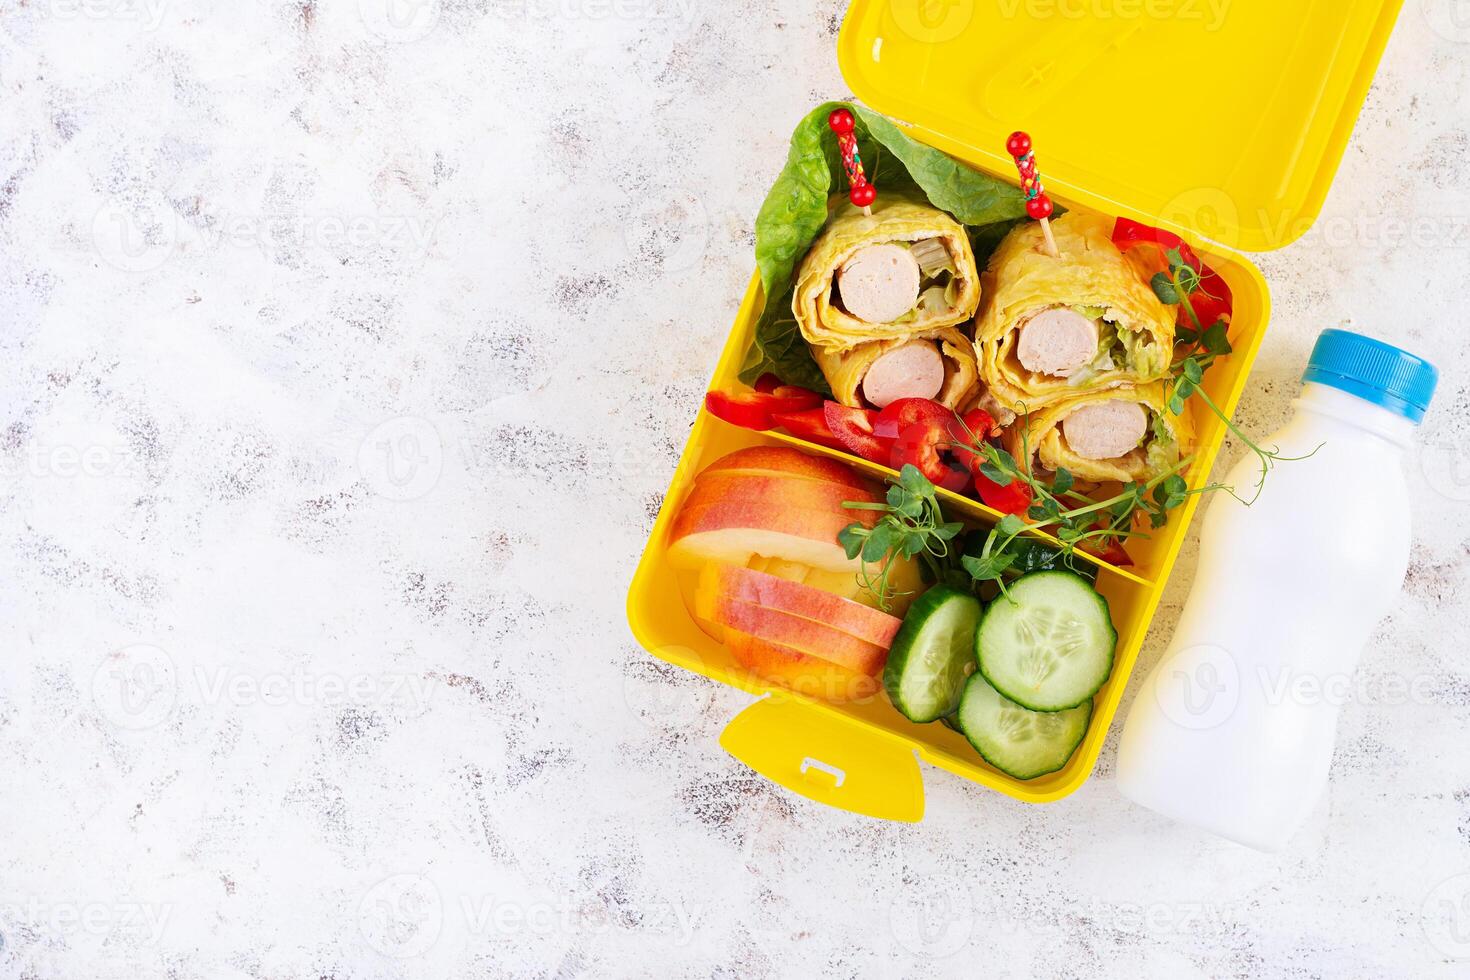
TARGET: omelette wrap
(1122,434)
(880,372)
(1055,327)
(905,271)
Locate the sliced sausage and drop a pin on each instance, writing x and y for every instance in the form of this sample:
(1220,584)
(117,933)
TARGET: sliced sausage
(879,284)
(1105,430)
(912,370)
(1057,342)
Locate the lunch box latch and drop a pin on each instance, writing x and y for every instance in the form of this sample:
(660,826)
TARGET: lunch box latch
(825,756)
(810,764)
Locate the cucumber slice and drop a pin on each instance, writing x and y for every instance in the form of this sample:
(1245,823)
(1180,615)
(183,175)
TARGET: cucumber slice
(1050,647)
(1017,741)
(932,654)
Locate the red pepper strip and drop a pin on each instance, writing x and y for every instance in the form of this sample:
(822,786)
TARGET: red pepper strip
(1211,301)
(1109,550)
(922,445)
(754,409)
(805,397)
(899,415)
(853,428)
(767,383)
(978,426)
(810,425)
(1112,552)
(1012,499)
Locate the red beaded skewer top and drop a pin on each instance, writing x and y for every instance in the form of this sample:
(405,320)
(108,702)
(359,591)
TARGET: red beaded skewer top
(861,192)
(1038,204)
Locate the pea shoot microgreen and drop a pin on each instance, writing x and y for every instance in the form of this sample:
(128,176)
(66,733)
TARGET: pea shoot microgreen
(1202,345)
(995,559)
(1078,522)
(912,526)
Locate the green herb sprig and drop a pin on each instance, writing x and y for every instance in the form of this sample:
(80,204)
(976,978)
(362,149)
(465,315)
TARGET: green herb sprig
(912,525)
(913,522)
(996,558)
(1076,515)
(1203,344)
(1079,520)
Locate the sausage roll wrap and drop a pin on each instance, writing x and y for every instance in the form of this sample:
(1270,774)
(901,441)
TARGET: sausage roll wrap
(1053,327)
(939,365)
(1123,434)
(904,271)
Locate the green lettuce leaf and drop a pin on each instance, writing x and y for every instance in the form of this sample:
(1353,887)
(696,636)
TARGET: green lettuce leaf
(796,209)
(1143,355)
(1163,450)
(780,349)
(974,198)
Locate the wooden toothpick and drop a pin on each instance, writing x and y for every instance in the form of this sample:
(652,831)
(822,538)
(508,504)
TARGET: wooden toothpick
(1038,205)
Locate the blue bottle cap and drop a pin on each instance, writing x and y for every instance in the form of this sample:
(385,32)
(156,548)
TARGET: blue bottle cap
(1374,371)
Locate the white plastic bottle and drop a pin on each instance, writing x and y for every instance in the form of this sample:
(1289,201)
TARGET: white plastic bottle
(1233,731)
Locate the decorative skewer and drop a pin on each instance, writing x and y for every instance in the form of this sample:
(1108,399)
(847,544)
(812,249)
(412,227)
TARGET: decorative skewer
(1038,205)
(861,193)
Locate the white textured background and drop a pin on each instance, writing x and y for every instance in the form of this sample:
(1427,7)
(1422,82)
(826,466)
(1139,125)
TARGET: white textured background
(343,361)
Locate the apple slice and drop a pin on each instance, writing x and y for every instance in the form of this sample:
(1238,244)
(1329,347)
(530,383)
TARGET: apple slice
(806,636)
(733,513)
(783,595)
(734,530)
(798,671)
(776,489)
(783,460)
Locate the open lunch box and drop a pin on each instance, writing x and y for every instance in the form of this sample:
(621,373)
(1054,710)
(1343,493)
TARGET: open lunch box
(1240,158)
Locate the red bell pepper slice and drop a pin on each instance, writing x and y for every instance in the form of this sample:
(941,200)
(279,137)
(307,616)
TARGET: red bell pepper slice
(766,383)
(1211,301)
(853,428)
(1112,552)
(899,415)
(1109,550)
(810,425)
(1012,499)
(754,409)
(978,426)
(922,444)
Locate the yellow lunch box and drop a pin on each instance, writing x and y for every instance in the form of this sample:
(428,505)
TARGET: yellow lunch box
(1220,120)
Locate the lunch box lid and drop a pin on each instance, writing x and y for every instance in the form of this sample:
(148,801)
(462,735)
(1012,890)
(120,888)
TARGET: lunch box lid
(1225,119)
